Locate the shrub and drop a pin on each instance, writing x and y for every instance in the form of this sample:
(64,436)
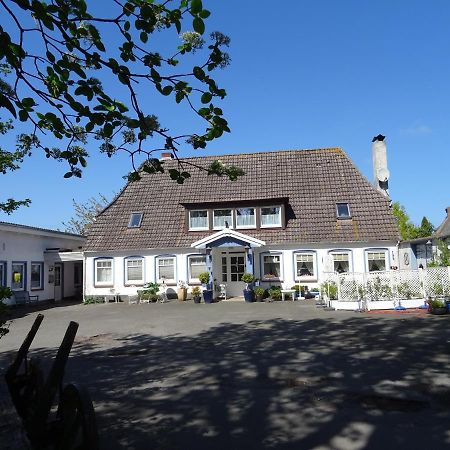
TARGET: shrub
(204,277)
(433,304)
(275,292)
(259,291)
(329,289)
(196,291)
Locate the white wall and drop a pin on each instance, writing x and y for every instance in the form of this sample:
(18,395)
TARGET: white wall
(25,245)
(358,264)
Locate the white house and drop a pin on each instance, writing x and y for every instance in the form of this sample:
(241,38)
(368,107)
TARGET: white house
(46,263)
(293,217)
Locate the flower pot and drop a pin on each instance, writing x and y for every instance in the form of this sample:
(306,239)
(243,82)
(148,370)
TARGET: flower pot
(438,311)
(197,299)
(208,296)
(259,298)
(248,295)
(182,294)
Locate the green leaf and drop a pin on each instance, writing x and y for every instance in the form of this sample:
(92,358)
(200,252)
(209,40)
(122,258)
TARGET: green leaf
(206,97)
(144,37)
(196,6)
(199,73)
(23,115)
(198,25)
(167,90)
(204,14)
(68,175)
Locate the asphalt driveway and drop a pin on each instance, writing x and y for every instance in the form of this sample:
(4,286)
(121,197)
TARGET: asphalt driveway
(254,376)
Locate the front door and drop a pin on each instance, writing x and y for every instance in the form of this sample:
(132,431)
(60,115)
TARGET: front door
(58,282)
(233,267)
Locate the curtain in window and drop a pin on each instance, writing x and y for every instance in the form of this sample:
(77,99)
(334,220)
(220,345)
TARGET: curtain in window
(221,216)
(134,270)
(166,268)
(341,262)
(197,265)
(198,219)
(305,265)
(104,271)
(377,261)
(36,276)
(270,216)
(245,217)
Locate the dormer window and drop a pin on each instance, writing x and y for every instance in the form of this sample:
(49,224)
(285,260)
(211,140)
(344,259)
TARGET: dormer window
(271,217)
(342,211)
(223,218)
(135,220)
(245,218)
(198,220)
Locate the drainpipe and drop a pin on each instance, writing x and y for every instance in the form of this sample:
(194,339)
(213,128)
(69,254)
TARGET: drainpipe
(84,277)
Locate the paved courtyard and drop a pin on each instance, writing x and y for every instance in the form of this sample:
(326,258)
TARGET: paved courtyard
(254,376)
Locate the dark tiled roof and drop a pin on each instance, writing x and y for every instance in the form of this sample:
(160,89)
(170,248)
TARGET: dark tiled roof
(45,230)
(443,230)
(312,180)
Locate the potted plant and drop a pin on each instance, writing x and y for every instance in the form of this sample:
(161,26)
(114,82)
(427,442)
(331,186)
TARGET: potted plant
(259,293)
(275,293)
(207,291)
(149,293)
(182,290)
(196,294)
(248,278)
(298,289)
(437,307)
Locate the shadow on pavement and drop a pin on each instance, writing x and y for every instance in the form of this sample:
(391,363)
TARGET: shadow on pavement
(285,384)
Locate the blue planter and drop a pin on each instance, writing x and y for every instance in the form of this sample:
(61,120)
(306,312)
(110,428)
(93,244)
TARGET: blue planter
(208,296)
(248,295)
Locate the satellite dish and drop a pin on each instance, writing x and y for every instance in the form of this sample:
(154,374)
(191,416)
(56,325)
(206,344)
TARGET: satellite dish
(383,174)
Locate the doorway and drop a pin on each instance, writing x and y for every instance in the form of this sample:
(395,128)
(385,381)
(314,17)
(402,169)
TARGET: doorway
(58,284)
(232,269)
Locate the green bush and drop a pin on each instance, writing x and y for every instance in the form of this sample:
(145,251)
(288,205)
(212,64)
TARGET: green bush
(259,291)
(275,292)
(204,277)
(329,289)
(433,304)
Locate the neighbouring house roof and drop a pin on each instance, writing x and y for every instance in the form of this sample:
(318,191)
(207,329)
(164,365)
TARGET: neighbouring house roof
(7,226)
(443,231)
(308,182)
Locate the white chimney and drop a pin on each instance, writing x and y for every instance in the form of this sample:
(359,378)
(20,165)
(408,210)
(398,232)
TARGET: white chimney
(380,167)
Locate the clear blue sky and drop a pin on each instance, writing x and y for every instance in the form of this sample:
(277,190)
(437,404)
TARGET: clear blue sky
(306,74)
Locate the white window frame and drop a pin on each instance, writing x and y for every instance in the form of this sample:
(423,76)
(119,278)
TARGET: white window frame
(342,252)
(386,259)
(314,262)
(190,257)
(166,280)
(280,222)
(23,286)
(128,259)
(263,275)
(230,224)
(137,213)
(41,276)
(106,283)
(245,226)
(348,209)
(199,228)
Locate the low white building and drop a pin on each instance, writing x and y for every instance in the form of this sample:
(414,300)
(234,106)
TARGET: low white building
(46,263)
(294,217)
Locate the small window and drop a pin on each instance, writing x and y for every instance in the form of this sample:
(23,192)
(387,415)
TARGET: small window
(305,265)
(271,217)
(376,261)
(197,265)
(37,276)
(198,220)
(134,270)
(103,272)
(342,210)
(135,220)
(223,218)
(341,262)
(18,276)
(2,274)
(165,269)
(245,218)
(271,267)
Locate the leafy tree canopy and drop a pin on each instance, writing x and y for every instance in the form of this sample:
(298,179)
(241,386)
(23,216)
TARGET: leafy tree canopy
(77,73)
(408,230)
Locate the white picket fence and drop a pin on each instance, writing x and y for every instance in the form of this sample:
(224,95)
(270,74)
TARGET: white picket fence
(380,290)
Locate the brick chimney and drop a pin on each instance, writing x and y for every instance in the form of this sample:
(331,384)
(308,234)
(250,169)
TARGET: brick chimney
(165,156)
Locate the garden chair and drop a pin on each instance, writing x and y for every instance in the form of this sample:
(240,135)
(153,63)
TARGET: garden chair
(24,297)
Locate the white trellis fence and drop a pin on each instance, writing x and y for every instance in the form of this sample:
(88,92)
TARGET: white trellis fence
(379,290)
